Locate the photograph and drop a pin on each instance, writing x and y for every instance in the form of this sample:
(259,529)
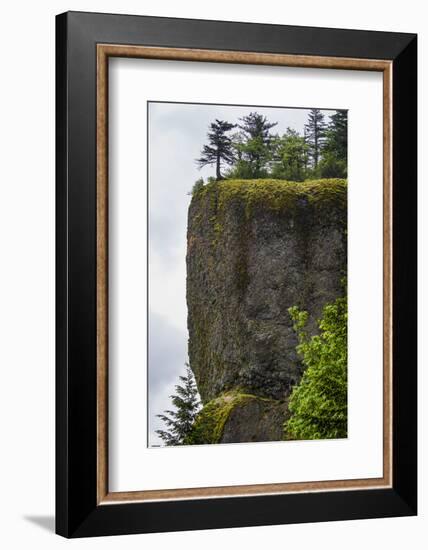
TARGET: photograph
(247,273)
(235,274)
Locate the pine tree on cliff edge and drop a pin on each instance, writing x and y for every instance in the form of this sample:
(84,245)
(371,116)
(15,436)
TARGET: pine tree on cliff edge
(186,401)
(315,130)
(256,151)
(220,148)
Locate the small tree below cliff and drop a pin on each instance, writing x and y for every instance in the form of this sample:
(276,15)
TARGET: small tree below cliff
(318,404)
(179,422)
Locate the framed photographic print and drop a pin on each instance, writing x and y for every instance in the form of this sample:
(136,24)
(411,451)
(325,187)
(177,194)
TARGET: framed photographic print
(236,274)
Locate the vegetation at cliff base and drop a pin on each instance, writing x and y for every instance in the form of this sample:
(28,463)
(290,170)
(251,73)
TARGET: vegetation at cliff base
(186,402)
(318,404)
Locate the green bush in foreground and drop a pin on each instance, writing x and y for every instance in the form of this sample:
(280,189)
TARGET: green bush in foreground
(318,404)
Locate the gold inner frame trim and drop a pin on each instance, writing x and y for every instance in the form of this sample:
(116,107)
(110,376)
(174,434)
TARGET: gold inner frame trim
(104,51)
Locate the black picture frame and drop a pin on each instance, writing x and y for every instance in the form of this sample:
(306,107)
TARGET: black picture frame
(77,511)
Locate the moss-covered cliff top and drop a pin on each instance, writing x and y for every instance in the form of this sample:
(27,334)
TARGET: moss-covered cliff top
(255,248)
(275,194)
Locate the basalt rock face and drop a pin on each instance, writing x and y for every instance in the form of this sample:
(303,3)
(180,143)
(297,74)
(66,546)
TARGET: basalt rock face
(235,417)
(256,248)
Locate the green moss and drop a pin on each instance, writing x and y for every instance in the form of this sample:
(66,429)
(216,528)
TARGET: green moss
(224,224)
(273,194)
(210,422)
(270,194)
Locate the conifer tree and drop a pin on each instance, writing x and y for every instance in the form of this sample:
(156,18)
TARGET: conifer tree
(337,135)
(256,125)
(290,157)
(306,158)
(315,130)
(255,151)
(220,149)
(335,152)
(186,402)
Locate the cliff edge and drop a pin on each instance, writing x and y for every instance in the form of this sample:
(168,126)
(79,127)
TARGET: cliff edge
(254,249)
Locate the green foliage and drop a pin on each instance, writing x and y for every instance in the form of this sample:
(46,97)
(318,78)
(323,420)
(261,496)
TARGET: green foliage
(219,151)
(337,135)
(318,404)
(290,157)
(332,167)
(255,156)
(256,125)
(253,147)
(315,135)
(273,194)
(253,152)
(241,170)
(197,186)
(186,404)
(335,152)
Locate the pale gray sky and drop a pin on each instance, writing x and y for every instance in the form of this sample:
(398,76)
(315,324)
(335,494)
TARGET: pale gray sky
(177,132)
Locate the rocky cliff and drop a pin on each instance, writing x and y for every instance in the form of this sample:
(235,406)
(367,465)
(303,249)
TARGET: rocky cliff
(254,249)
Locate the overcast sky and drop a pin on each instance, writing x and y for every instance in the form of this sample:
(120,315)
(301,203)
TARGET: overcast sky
(177,133)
